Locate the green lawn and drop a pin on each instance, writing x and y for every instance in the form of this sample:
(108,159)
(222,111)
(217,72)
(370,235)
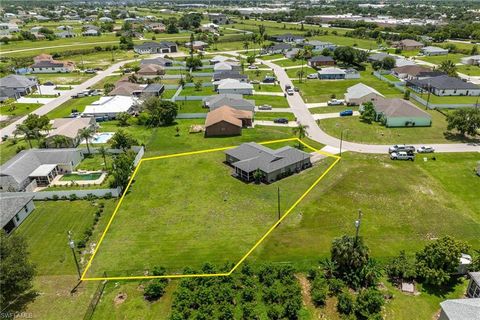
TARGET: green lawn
(46,232)
(168,94)
(258,74)
(267,88)
(404,205)
(216,225)
(164,140)
(64,78)
(449,99)
(376,133)
(293,73)
(469,70)
(332,109)
(290,63)
(66,108)
(455,57)
(191,107)
(192,91)
(101,59)
(274,115)
(110,79)
(274,101)
(315,90)
(18,109)
(272,56)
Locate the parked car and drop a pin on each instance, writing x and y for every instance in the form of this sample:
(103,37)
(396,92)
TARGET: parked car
(402,155)
(287,86)
(91,71)
(252,67)
(269,79)
(335,102)
(94,92)
(346,113)
(425,149)
(255,82)
(312,76)
(401,147)
(265,107)
(280,120)
(296,89)
(290,92)
(48,83)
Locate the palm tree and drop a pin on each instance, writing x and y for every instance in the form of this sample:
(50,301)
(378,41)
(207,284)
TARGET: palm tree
(301,130)
(300,74)
(246,44)
(103,151)
(449,67)
(27,134)
(87,134)
(60,141)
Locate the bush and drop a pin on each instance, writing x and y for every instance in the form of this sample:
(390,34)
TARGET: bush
(20,149)
(335,286)
(73,197)
(345,303)
(319,291)
(107,195)
(369,303)
(81,244)
(55,197)
(155,290)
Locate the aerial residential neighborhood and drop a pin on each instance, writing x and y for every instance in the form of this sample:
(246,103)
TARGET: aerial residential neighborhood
(240,160)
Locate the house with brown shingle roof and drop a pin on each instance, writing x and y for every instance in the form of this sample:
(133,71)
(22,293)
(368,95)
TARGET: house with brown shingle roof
(408,44)
(150,71)
(70,129)
(409,72)
(227,121)
(125,88)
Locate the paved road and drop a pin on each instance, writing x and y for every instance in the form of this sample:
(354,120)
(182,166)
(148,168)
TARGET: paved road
(304,116)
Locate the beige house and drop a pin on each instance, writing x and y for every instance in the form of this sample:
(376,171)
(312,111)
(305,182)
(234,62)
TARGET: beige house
(70,129)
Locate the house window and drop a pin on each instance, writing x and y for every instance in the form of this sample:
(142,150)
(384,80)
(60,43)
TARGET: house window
(26,209)
(17,217)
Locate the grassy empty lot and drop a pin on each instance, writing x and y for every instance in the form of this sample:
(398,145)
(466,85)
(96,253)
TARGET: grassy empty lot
(292,73)
(109,79)
(274,101)
(331,109)
(64,78)
(376,133)
(175,229)
(267,88)
(66,108)
(469,70)
(19,109)
(191,107)
(455,57)
(290,62)
(101,59)
(274,115)
(315,90)
(192,91)
(405,204)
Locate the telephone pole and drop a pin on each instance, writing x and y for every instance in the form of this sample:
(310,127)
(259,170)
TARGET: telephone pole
(71,243)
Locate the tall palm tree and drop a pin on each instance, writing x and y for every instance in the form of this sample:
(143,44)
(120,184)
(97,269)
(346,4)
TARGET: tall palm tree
(60,141)
(449,67)
(103,151)
(301,130)
(26,132)
(87,134)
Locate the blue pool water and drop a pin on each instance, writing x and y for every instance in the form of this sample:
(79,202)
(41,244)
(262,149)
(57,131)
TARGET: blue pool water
(102,137)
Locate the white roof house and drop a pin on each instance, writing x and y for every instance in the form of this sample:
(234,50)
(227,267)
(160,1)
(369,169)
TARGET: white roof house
(234,86)
(360,93)
(434,51)
(110,106)
(223,66)
(219,58)
(473,60)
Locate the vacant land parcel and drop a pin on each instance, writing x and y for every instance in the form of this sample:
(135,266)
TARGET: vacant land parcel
(184,211)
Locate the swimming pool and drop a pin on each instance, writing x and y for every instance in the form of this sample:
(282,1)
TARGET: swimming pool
(102,137)
(76,176)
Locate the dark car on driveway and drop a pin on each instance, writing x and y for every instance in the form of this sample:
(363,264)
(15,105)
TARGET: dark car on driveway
(280,120)
(346,113)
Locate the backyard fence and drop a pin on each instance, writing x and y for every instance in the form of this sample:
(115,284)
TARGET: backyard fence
(171,86)
(204,84)
(69,194)
(95,299)
(189,98)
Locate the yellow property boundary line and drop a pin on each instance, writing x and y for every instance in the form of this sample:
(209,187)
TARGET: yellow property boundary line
(83,277)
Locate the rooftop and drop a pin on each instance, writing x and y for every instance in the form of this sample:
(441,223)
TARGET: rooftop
(11,205)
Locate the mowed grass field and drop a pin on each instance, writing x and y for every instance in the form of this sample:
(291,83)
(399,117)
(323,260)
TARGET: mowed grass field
(182,212)
(376,133)
(405,205)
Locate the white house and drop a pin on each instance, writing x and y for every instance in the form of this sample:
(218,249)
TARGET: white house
(320,45)
(360,93)
(445,86)
(334,73)
(472,60)
(110,107)
(233,86)
(434,51)
(219,58)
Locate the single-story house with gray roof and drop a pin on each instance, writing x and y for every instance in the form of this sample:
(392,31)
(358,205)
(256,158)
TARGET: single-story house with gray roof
(235,101)
(473,289)
(36,167)
(445,86)
(14,86)
(15,208)
(460,309)
(400,113)
(279,48)
(156,47)
(434,51)
(249,158)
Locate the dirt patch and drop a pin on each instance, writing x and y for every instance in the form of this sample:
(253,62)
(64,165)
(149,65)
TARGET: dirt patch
(306,297)
(120,298)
